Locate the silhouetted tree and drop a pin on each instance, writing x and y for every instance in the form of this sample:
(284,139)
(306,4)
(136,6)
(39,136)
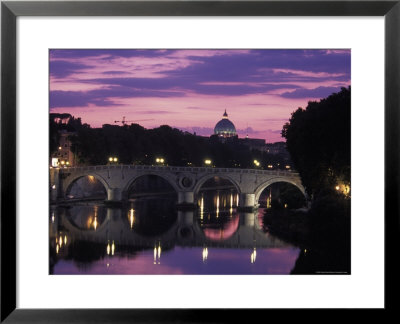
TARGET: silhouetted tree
(318,140)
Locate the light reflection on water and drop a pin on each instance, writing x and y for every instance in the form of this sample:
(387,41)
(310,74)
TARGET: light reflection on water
(150,236)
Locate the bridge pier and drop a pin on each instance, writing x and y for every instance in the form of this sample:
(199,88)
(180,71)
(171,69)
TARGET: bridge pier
(53,192)
(56,191)
(186,199)
(114,195)
(247,202)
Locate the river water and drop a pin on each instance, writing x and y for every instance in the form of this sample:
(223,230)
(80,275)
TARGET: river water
(150,236)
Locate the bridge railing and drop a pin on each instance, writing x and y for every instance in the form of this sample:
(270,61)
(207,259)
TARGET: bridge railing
(179,169)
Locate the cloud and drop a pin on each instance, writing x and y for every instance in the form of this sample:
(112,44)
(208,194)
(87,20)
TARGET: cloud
(276,121)
(62,69)
(309,74)
(248,130)
(338,51)
(317,93)
(206,53)
(154,112)
(108,96)
(212,72)
(116,72)
(191,88)
(78,99)
(277,131)
(106,66)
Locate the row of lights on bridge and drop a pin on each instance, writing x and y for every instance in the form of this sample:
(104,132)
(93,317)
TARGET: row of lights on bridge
(269,166)
(158,160)
(161,161)
(114,159)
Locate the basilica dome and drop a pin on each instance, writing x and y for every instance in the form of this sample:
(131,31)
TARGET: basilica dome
(225,128)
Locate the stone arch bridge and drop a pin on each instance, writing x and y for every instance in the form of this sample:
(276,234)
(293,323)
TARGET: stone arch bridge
(186,181)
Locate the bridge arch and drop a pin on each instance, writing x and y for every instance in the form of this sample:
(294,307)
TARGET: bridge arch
(72,179)
(132,180)
(200,182)
(269,182)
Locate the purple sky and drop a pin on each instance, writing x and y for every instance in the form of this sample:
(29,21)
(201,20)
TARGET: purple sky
(190,89)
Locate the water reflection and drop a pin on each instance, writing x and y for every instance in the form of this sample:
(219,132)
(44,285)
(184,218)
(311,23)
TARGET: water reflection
(151,216)
(86,217)
(214,239)
(217,218)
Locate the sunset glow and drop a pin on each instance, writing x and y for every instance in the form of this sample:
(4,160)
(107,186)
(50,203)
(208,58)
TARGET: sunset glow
(190,89)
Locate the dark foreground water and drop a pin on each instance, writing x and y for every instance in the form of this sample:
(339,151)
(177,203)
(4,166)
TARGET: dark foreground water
(150,236)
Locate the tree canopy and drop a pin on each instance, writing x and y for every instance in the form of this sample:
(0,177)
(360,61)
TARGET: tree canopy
(138,145)
(318,139)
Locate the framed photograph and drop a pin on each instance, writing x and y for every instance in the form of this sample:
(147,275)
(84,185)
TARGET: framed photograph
(164,158)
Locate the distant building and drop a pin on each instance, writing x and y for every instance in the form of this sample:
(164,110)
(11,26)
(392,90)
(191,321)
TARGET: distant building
(276,148)
(63,157)
(60,118)
(253,143)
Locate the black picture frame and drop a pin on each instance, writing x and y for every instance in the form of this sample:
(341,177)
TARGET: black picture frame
(10,10)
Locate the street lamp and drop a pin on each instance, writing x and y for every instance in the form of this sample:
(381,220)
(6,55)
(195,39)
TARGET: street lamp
(160,160)
(207,162)
(256,163)
(113,159)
